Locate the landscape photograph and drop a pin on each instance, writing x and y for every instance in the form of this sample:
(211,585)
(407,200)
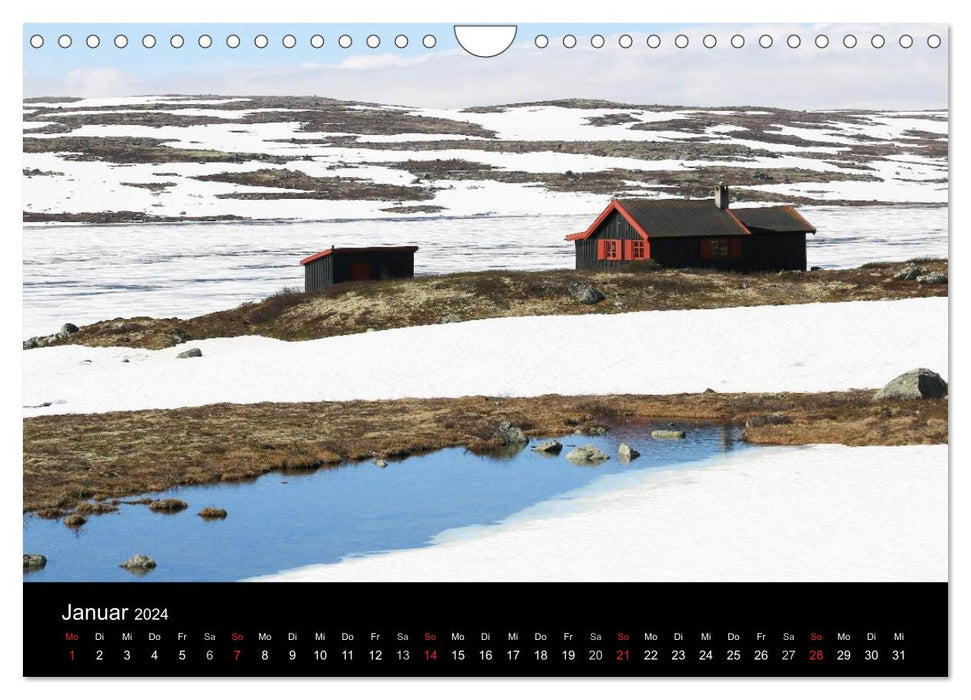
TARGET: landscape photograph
(599,303)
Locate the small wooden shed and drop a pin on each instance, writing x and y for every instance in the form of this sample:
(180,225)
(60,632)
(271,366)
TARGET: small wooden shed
(337,265)
(694,233)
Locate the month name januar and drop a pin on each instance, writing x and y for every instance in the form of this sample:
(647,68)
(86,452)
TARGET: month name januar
(97,614)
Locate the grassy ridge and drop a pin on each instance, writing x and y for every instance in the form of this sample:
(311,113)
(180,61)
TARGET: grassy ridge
(359,306)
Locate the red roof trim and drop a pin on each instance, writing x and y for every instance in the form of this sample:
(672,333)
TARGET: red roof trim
(373,249)
(800,216)
(612,207)
(738,221)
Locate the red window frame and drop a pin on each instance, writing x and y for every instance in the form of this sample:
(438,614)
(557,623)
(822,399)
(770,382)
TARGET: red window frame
(609,249)
(636,250)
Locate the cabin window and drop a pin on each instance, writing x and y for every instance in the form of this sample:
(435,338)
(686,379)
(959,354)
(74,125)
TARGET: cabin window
(608,249)
(636,250)
(720,248)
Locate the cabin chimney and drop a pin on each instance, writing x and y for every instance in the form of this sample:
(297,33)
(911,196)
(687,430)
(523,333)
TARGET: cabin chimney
(721,196)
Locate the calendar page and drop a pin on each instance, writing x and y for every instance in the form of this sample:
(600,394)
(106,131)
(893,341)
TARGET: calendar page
(485,350)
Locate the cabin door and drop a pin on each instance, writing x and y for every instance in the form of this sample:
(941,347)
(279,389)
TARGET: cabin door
(360,271)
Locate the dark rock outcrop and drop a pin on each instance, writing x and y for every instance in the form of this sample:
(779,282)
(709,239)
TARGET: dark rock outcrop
(920,383)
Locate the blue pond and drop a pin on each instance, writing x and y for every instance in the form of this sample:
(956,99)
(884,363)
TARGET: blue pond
(284,520)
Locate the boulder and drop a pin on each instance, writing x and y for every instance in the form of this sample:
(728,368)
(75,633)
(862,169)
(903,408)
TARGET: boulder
(585,293)
(32,562)
(933,278)
(378,462)
(908,273)
(587,454)
(551,447)
(191,352)
(918,383)
(597,430)
(627,453)
(510,434)
(668,434)
(138,562)
(69,329)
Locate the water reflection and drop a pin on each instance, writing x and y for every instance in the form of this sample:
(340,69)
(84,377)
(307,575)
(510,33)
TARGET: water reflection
(287,520)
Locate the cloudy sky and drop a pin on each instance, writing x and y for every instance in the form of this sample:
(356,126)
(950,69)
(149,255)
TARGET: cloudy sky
(806,77)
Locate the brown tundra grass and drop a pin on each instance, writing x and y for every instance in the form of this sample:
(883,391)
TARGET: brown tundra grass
(355,307)
(69,459)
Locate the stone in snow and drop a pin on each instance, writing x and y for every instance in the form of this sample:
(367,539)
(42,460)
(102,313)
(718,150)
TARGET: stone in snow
(549,447)
(191,352)
(378,462)
(920,383)
(627,453)
(587,454)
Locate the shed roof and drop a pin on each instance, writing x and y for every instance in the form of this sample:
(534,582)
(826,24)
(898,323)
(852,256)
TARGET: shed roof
(372,249)
(671,218)
(783,219)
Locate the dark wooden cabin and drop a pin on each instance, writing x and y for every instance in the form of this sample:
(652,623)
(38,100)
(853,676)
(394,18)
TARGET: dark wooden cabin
(337,265)
(694,233)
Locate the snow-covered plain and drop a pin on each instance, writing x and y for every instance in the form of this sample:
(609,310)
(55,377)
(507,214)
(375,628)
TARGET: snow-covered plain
(808,347)
(73,187)
(817,513)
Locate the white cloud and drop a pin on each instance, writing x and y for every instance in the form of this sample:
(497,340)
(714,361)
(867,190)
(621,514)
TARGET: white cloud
(100,82)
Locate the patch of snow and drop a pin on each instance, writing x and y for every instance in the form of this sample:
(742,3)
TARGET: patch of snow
(817,513)
(811,347)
